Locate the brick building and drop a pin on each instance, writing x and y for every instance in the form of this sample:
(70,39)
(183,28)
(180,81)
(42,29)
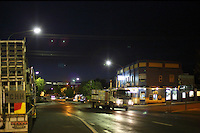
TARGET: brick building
(150,81)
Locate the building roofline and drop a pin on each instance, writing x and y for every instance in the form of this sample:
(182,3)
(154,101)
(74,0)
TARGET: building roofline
(148,60)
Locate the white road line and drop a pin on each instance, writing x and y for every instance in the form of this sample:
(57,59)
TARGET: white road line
(88,125)
(92,124)
(162,123)
(106,131)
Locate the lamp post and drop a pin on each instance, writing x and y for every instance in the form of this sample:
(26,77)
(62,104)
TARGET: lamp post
(37,73)
(35,30)
(74,80)
(109,63)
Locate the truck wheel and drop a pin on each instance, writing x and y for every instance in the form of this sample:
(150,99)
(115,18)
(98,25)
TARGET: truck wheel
(92,105)
(113,108)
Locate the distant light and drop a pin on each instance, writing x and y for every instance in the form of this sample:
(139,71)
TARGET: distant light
(145,112)
(37,73)
(52,40)
(37,30)
(51,88)
(73,80)
(63,41)
(77,78)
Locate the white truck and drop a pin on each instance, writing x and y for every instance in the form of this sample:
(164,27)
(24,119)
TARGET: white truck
(17,88)
(111,98)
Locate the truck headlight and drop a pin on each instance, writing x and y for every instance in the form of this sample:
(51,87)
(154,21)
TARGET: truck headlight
(130,102)
(119,101)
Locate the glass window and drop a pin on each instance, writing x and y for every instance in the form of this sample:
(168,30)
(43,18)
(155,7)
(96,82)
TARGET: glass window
(150,97)
(191,94)
(183,95)
(174,95)
(171,78)
(198,93)
(168,95)
(155,96)
(142,95)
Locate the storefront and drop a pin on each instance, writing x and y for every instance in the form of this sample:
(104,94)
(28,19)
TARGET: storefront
(155,95)
(171,94)
(138,94)
(186,93)
(143,95)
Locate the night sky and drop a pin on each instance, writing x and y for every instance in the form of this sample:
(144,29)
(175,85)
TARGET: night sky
(95,31)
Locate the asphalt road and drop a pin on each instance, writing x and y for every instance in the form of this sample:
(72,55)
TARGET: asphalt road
(121,121)
(58,117)
(52,117)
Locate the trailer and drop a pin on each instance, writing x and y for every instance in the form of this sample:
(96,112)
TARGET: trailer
(17,88)
(111,98)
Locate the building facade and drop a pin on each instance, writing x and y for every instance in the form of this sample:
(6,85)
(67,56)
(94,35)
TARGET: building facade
(150,81)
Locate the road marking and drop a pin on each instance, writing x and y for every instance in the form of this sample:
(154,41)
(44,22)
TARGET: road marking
(106,131)
(90,127)
(92,124)
(162,123)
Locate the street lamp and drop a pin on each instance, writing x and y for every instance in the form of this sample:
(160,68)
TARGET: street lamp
(37,73)
(77,79)
(35,30)
(108,63)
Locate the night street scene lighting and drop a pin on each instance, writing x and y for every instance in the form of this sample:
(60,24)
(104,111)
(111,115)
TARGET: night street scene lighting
(35,30)
(108,63)
(111,67)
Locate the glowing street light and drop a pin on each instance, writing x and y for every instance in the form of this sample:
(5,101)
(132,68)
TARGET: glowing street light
(108,63)
(37,73)
(35,30)
(76,79)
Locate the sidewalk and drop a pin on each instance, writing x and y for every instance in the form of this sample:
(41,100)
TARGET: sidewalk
(192,107)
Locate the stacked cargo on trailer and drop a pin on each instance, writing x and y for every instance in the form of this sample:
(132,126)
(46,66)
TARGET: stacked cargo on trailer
(17,88)
(111,98)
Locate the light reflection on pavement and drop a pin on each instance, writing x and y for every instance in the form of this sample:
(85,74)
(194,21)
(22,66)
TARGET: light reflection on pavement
(131,121)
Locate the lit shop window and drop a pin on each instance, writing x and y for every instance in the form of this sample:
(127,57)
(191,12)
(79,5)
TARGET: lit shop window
(168,95)
(198,93)
(191,94)
(183,95)
(155,96)
(142,95)
(174,95)
(150,97)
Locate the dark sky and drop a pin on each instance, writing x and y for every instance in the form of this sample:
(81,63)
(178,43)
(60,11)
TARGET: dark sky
(95,31)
